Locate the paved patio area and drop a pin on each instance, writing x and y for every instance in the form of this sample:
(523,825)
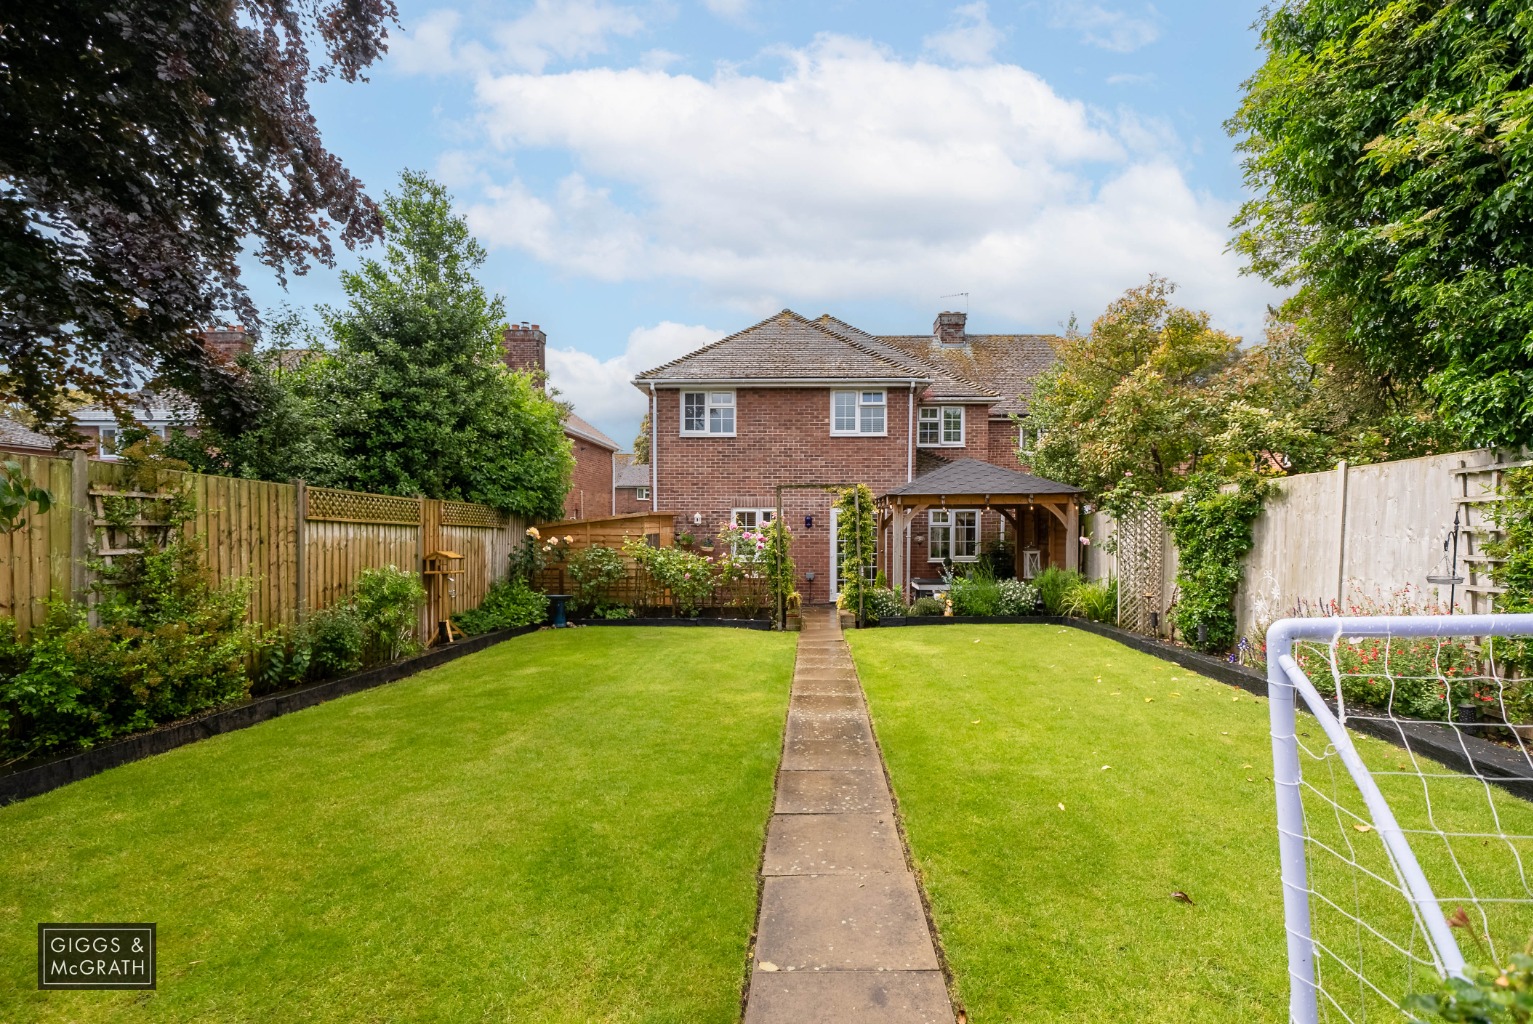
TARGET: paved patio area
(841,934)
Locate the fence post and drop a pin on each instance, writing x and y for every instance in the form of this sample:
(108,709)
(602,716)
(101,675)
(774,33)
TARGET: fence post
(301,526)
(80,524)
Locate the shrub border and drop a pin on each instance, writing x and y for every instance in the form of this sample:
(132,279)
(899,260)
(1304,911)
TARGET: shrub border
(37,779)
(1461,752)
(726,623)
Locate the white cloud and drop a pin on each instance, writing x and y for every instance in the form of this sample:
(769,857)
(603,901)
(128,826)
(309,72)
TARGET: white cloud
(548,30)
(732,10)
(1108,28)
(1131,79)
(856,176)
(601,388)
(970,38)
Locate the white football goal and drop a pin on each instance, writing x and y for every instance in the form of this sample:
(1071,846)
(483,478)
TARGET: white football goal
(1404,806)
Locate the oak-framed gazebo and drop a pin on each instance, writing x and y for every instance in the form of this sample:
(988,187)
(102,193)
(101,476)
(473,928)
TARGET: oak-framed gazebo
(1031,505)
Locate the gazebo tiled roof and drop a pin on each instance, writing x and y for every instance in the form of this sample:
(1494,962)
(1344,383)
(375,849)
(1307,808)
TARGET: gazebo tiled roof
(971,476)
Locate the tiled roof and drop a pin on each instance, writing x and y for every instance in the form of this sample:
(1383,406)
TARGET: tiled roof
(787,347)
(630,473)
(944,383)
(17,436)
(971,476)
(1000,368)
(1009,364)
(580,428)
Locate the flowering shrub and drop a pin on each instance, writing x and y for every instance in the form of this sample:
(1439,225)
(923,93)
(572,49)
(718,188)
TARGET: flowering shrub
(687,575)
(882,603)
(595,570)
(1017,598)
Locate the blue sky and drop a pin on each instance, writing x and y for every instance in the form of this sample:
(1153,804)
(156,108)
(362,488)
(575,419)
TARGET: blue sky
(649,176)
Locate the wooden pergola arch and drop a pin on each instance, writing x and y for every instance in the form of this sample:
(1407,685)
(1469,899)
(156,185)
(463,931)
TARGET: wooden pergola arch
(970,483)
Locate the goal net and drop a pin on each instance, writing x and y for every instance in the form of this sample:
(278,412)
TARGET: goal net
(1405,806)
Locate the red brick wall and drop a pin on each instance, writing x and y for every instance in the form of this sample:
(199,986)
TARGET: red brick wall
(1003,444)
(628,501)
(782,435)
(590,494)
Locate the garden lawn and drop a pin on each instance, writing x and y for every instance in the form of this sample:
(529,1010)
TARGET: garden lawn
(565,827)
(1057,788)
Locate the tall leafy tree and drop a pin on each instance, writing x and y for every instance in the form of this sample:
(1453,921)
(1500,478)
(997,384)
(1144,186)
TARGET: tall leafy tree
(1131,397)
(416,398)
(142,142)
(1391,143)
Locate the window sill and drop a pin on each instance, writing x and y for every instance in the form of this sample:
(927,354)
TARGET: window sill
(943,444)
(856,433)
(703,433)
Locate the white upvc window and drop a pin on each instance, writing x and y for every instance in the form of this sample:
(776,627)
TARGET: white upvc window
(708,412)
(111,436)
(753,519)
(857,412)
(641,493)
(939,425)
(952,534)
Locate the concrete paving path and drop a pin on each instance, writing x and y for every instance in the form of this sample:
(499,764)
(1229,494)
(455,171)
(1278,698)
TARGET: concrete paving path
(841,935)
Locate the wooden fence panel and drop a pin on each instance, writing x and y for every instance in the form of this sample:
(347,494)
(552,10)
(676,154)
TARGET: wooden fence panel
(251,529)
(35,560)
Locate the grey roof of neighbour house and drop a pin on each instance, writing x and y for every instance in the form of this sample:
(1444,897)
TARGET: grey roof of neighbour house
(786,347)
(971,476)
(630,473)
(14,435)
(580,428)
(995,369)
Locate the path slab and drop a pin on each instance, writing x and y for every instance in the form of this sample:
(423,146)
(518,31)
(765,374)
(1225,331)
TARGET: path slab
(809,755)
(832,844)
(827,704)
(833,792)
(809,725)
(864,922)
(848,997)
(826,682)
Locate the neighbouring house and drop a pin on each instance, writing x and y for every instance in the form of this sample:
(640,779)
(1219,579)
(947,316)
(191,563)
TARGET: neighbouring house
(630,484)
(20,440)
(791,402)
(592,492)
(155,412)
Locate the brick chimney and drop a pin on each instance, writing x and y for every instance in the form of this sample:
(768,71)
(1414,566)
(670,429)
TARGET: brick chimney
(228,343)
(522,346)
(948,330)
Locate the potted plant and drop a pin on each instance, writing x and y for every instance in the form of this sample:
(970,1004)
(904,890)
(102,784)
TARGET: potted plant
(683,540)
(794,603)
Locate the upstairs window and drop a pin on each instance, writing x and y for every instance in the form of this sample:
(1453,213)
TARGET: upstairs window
(938,425)
(708,412)
(857,412)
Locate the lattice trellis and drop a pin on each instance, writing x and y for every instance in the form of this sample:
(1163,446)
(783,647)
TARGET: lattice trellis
(462,513)
(356,507)
(1141,568)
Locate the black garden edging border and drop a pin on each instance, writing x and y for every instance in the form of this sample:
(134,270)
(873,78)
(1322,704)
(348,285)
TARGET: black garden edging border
(36,779)
(726,623)
(1449,747)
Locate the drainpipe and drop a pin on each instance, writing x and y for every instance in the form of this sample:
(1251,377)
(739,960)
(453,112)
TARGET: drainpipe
(654,454)
(614,483)
(910,436)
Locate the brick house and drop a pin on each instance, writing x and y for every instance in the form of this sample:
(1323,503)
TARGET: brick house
(630,484)
(796,401)
(593,492)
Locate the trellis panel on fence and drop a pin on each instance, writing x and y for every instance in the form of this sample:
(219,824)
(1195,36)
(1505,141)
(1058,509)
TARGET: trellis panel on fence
(255,530)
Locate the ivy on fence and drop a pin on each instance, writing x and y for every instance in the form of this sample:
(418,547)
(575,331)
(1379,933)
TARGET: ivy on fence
(1212,530)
